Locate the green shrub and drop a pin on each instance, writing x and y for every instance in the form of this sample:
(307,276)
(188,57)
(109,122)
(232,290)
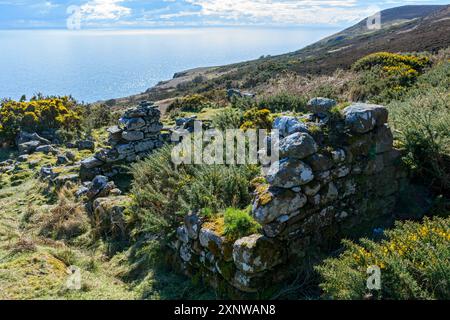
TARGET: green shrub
(284,102)
(228,118)
(421,123)
(98,116)
(191,103)
(239,223)
(38,115)
(218,187)
(414,261)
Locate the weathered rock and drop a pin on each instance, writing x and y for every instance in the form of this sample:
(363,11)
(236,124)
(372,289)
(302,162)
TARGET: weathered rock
(91,162)
(26,137)
(70,156)
(362,117)
(132,135)
(145,145)
(289,174)
(320,105)
(132,123)
(115,133)
(257,253)
(277,203)
(384,139)
(329,193)
(319,162)
(23,158)
(215,243)
(62,180)
(312,188)
(28,147)
(338,155)
(109,218)
(193,224)
(298,146)
(125,148)
(86,145)
(61,159)
(47,173)
(47,149)
(289,125)
(182,234)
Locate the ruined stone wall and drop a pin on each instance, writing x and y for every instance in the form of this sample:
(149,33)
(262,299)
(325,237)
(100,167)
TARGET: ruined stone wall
(338,177)
(137,134)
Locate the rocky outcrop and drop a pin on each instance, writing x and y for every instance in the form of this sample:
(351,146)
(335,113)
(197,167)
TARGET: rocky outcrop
(137,134)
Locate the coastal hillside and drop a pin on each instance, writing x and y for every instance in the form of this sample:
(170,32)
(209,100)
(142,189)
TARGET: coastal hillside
(404,29)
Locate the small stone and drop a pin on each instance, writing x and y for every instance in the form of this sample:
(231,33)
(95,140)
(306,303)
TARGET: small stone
(312,188)
(338,155)
(61,159)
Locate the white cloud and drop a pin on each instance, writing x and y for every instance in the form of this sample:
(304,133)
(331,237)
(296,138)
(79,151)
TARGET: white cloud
(104,10)
(285,11)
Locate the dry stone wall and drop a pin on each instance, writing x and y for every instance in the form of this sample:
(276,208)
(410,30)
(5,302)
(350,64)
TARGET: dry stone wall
(137,134)
(338,176)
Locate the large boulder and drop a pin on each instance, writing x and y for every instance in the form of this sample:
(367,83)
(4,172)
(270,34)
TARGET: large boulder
(289,174)
(298,146)
(320,105)
(257,253)
(362,117)
(289,125)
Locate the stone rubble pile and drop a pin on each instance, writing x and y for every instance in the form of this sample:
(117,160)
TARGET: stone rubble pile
(137,134)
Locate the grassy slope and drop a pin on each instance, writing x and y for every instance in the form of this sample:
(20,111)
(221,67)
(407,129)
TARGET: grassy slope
(35,267)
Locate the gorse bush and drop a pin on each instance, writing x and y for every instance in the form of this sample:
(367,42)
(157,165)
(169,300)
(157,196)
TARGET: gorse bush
(257,119)
(392,60)
(385,76)
(283,102)
(38,115)
(164,193)
(421,123)
(217,187)
(191,103)
(228,118)
(97,116)
(414,260)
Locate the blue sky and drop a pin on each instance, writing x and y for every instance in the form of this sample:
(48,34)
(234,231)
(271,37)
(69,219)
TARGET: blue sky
(186,13)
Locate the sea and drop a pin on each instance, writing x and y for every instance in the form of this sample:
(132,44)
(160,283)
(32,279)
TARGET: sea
(93,65)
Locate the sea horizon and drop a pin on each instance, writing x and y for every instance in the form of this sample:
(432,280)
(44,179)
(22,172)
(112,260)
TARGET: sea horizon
(92,65)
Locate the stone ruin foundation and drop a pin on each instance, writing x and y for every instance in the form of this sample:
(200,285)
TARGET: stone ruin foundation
(137,134)
(338,177)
